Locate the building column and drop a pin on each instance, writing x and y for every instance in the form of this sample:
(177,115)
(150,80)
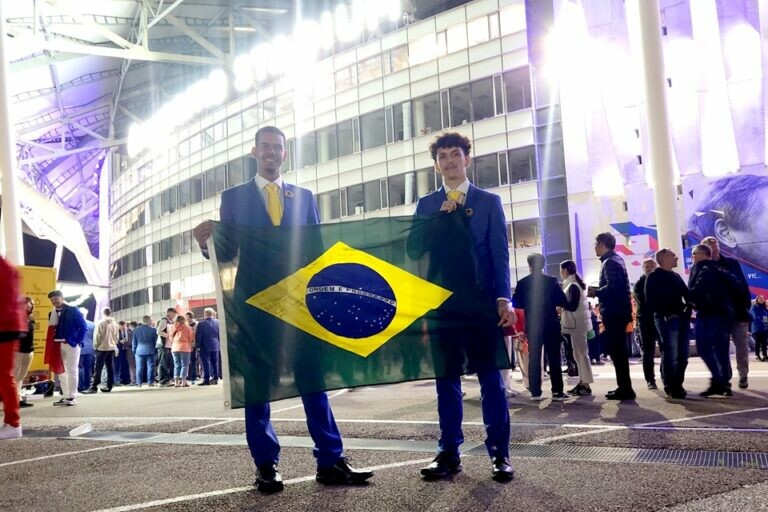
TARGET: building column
(325,206)
(647,18)
(407,120)
(13,249)
(409,179)
(422,183)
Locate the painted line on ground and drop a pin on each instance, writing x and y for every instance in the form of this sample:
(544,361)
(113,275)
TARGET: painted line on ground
(215,424)
(339,392)
(64,454)
(234,490)
(649,424)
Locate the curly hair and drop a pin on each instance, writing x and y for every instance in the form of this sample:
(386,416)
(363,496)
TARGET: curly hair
(449,140)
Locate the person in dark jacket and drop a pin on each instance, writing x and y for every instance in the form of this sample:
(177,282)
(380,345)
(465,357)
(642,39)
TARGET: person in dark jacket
(13,322)
(710,286)
(741,301)
(68,328)
(539,296)
(207,341)
(615,311)
(143,346)
(648,334)
(759,329)
(667,299)
(87,355)
(26,349)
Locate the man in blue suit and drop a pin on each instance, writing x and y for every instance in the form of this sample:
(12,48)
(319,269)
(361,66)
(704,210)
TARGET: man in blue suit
(207,342)
(269,201)
(457,196)
(143,346)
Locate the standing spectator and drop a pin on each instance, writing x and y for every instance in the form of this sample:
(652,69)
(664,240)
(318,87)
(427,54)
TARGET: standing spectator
(207,341)
(647,327)
(520,343)
(13,322)
(85,365)
(132,325)
(667,298)
(595,341)
(742,300)
(26,349)
(105,343)
(143,347)
(67,327)
(575,322)
(163,345)
(193,360)
(615,311)
(182,337)
(539,296)
(122,371)
(710,287)
(759,314)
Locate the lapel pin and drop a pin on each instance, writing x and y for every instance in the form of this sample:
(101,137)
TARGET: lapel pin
(469,212)
(288,193)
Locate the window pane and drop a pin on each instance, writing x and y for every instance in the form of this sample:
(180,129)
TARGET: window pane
(369,69)
(457,37)
(398,58)
(372,194)
(306,150)
(517,84)
(326,143)
(355,202)
(184,194)
(503,172)
(183,148)
(526,233)
(209,184)
(482,99)
(155,207)
(422,49)
(512,19)
(235,172)
(194,143)
(344,79)
(195,189)
(208,137)
(373,129)
(402,189)
(425,181)
(477,31)
(284,103)
(395,123)
(251,116)
(329,205)
(486,171)
(493,25)
(557,233)
(221,178)
(345,142)
(234,124)
(426,114)
(522,164)
(460,113)
(498,95)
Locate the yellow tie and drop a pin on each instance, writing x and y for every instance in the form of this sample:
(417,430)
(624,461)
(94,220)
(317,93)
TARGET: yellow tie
(274,208)
(456,195)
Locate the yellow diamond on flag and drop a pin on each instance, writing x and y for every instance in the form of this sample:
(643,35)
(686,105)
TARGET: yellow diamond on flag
(351,299)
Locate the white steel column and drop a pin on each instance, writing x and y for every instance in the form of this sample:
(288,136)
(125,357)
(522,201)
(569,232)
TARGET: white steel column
(646,14)
(11,216)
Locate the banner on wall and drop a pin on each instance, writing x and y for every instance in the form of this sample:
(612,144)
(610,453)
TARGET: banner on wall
(734,209)
(37,282)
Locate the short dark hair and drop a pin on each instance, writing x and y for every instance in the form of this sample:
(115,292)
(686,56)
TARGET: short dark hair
(190,314)
(703,248)
(107,311)
(660,254)
(146,319)
(268,129)
(170,310)
(536,261)
(450,140)
(133,323)
(55,293)
(121,322)
(735,199)
(607,240)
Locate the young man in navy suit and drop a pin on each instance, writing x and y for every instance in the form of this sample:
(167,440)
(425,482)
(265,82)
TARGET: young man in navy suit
(487,225)
(269,201)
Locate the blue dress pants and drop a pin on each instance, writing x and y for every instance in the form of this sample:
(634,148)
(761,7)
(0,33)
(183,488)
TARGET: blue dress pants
(493,401)
(85,370)
(145,369)
(263,443)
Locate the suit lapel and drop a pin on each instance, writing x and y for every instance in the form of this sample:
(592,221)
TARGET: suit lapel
(289,204)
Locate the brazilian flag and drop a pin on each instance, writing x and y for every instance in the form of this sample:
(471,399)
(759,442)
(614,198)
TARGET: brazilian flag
(330,306)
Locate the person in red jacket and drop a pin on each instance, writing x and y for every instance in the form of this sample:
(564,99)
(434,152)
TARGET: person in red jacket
(12,324)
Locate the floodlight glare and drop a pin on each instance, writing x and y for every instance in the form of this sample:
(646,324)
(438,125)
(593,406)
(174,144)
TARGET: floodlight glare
(243,72)
(326,31)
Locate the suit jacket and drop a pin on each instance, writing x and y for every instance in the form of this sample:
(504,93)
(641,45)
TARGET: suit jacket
(207,335)
(613,292)
(487,226)
(539,295)
(71,326)
(143,341)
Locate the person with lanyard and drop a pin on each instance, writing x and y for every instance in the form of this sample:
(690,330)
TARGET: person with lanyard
(66,327)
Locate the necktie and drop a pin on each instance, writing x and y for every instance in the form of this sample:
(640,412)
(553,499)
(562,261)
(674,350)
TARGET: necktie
(274,208)
(456,195)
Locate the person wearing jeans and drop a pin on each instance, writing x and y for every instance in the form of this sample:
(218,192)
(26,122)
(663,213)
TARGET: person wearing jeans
(207,342)
(667,298)
(87,355)
(711,288)
(164,355)
(759,329)
(143,348)
(183,338)
(66,326)
(647,327)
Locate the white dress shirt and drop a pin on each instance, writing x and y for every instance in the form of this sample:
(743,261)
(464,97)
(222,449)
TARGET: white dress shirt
(463,188)
(262,182)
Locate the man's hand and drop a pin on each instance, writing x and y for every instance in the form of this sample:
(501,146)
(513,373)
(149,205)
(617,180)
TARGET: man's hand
(507,316)
(591,292)
(203,232)
(449,205)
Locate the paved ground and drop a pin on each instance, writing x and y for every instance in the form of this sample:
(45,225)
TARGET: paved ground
(177,449)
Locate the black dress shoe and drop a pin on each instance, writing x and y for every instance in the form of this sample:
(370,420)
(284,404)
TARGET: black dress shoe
(621,394)
(268,479)
(90,391)
(342,473)
(24,403)
(445,464)
(502,471)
